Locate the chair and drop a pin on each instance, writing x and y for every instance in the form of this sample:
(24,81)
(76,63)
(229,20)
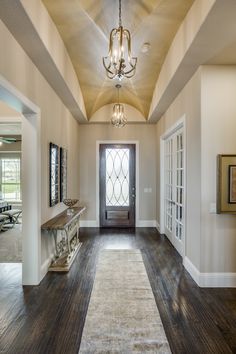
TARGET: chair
(13,215)
(3,220)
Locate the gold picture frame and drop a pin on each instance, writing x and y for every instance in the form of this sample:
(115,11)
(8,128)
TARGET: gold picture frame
(226,184)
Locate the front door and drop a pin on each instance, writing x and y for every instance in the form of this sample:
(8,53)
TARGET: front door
(174,190)
(117,185)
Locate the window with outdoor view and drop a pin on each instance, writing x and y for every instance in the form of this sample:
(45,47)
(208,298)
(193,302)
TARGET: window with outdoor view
(10,179)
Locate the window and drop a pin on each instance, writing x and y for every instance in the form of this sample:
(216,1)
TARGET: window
(10,179)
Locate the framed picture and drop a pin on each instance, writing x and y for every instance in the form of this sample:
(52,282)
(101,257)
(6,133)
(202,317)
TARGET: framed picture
(53,174)
(63,174)
(232,184)
(226,184)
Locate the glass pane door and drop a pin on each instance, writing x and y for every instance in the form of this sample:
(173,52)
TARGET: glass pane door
(179,187)
(117,185)
(174,189)
(117,177)
(168,186)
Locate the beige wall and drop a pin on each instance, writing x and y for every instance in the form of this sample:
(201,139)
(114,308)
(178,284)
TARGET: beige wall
(56,125)
(146,136)
(208,102)
(218,232)
(187,104)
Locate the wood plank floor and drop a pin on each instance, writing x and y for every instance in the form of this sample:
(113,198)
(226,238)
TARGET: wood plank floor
(49,318)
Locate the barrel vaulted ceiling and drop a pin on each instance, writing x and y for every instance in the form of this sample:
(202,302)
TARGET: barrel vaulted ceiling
(85,25)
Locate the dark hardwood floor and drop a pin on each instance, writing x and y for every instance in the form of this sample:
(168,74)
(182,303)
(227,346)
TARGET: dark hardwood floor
(49,318)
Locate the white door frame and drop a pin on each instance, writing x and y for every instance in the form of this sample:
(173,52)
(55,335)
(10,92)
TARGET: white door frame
(136,143)
(31,180)
(175,127)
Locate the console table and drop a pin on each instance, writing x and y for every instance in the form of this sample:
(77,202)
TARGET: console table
(65,230)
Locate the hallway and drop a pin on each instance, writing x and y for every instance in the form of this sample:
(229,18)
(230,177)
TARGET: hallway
(49,318)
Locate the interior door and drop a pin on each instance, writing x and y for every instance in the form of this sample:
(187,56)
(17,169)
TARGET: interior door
(117,185)
(174,190)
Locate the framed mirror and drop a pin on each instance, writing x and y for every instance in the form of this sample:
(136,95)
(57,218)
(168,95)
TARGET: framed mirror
(226,184)
(53,174)
(63,174)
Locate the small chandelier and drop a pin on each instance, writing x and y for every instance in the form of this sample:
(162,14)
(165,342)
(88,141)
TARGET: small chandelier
(119,62)
(118,118)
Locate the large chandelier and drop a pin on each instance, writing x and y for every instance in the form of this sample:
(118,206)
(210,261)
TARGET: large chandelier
(119,62)
(118,118)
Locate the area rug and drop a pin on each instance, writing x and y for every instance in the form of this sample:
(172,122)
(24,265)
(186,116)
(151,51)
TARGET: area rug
(122,315)
(11,245)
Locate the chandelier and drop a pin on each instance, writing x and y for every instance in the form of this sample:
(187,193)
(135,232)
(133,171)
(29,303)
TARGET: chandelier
(118,118)
(119,62)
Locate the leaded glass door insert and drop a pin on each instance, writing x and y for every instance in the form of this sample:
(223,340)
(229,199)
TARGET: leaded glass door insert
(117,177)
(117,185)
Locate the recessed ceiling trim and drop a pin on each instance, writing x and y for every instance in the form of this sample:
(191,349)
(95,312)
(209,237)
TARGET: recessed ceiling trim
(208,39)
(103,114)
(82,25)
(36,42)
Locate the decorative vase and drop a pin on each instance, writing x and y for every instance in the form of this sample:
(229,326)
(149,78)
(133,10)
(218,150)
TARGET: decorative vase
(70,203)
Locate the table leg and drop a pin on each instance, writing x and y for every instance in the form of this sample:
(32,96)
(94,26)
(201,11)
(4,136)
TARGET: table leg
(68,241)
(54,232)
(77,232)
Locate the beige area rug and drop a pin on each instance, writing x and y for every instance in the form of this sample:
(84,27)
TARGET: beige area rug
(122,315)
(11,245)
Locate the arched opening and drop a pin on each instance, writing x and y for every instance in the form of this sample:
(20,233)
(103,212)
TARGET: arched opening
(31,181)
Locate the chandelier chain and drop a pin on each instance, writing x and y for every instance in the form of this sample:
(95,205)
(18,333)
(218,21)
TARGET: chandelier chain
(120,23)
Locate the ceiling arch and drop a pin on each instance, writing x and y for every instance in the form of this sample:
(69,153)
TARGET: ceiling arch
(85,25)
(104,113)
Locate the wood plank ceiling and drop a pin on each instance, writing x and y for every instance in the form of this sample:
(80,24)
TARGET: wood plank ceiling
(85,25)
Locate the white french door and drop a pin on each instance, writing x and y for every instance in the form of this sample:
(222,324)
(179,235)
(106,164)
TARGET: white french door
(174,175)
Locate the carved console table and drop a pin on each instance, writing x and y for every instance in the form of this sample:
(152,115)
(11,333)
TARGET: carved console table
(65,230)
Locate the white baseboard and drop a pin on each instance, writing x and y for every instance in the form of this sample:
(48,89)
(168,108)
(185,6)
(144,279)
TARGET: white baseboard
(89,223)
(210,280)
(146,223)
(193,271)
(45,266)
(158,226)
(139,223)
(218,280)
